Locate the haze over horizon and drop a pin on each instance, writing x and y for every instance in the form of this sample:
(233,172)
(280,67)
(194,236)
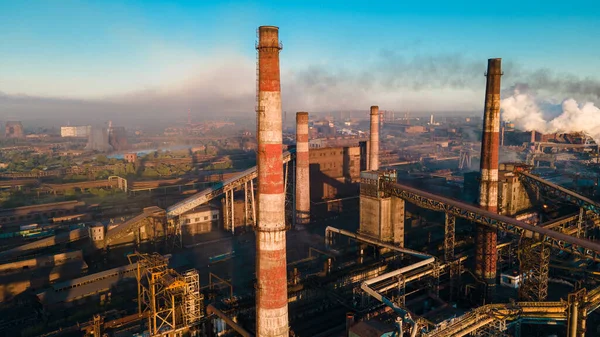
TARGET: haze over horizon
(146,60)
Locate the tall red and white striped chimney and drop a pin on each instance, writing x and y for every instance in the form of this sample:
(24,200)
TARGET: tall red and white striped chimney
(302,170)
(271,271)
(487,256)
(374,140)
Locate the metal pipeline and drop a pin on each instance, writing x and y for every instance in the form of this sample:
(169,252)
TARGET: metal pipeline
(399,271)
(365,285)
(417,276)
(375,242)
(573,319)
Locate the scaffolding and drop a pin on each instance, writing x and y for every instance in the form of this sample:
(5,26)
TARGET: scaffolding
(169,300)
(194,306)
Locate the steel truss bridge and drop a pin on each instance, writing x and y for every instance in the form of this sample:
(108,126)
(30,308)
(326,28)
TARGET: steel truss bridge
(577,246)
(560,192)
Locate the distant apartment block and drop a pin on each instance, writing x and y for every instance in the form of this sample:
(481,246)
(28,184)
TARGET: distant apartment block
(81,131)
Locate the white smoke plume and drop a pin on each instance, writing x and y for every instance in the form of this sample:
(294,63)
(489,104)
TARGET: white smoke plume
(527,113)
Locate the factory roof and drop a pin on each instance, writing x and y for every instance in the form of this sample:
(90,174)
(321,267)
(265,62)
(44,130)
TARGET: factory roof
(71,290)
(371,328)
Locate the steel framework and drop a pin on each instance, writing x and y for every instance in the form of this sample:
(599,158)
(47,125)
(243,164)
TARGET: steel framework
(168,299)
(465,158)
(449,236)
(194,306)
(577,246)
(534,259)
(556,191)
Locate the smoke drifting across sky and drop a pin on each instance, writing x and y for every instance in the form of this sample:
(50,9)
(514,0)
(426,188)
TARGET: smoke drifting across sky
(219,87)
(543,115)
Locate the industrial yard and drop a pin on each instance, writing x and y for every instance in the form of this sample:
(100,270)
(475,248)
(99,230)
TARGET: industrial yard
(365,223)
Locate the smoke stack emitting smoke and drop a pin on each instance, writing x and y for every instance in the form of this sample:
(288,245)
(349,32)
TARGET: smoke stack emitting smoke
(525,110)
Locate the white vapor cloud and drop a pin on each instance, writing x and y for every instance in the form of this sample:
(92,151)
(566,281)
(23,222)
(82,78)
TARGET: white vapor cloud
(525,111)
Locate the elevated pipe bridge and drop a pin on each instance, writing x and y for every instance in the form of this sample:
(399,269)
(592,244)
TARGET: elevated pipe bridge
(573,245)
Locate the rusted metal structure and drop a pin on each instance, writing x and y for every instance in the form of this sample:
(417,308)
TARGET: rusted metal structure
(374,140)
(271,273)
(302,170)
(534,261)
(486,254)
(168,299)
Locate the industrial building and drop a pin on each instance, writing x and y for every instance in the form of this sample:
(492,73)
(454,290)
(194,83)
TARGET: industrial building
(14,130)
(98,140)
(117,138)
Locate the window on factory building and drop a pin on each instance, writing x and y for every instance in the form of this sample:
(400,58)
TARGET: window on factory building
(205,218)
(188,220)
(215,216)
(197,220)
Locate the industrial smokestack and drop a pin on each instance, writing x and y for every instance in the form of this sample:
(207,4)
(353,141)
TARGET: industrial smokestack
(302,170)
(374,141)
(532,136)
(271,271)
(486,257)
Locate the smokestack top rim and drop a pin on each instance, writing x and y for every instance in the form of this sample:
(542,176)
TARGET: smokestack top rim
(267,27)
(374,110)
(302,117)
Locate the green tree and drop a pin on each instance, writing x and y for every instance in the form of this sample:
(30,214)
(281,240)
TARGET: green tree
(101,159)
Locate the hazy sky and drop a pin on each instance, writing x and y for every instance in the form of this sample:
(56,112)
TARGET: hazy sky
(157,57)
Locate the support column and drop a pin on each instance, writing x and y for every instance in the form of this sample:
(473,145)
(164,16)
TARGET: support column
(455,274)
(252,202)
(302,170)
(232,205)
(449,235)
(581,223)
(226,209)
(576,314)
(398,217)
(246,203)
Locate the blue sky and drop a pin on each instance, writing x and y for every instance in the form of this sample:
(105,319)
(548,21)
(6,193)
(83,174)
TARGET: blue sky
(98,49)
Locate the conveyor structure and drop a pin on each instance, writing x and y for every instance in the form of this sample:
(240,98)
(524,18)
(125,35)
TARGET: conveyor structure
(560,192)
(218,189)
(573,245)
(152,214)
